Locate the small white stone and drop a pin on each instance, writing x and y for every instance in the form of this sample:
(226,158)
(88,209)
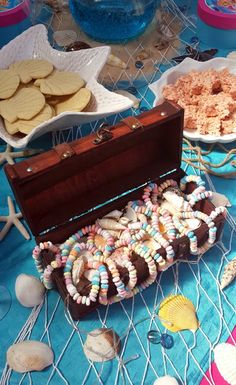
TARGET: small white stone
(29,290)
(29,356)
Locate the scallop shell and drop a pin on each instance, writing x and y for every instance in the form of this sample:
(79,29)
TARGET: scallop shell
(102,345)
(136,101)
(115,214)
(166,380)
(178,313)
(77,270)
(65,37)
(29,356)
(229,274)
(110,224)
(225,359)
(29,290)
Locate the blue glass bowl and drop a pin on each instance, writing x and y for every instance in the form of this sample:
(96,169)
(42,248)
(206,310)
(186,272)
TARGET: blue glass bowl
(113,21)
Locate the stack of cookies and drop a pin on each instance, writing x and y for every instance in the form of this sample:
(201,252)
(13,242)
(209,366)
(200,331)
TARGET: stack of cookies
(33,91)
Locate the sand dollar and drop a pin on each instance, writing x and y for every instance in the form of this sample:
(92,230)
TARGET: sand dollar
(9,82)
(25,104)
(26,126)
(32,69)
(60,83)
(75,103)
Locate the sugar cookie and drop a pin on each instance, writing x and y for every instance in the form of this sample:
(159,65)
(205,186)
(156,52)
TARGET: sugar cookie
(9,82)
(25,104)
(32,69)
(75,103)
(26,126)
(60,83)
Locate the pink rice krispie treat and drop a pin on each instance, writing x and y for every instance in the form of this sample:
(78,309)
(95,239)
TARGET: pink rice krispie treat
(208,98)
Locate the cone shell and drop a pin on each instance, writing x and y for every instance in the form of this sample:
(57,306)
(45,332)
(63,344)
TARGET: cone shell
(229,274)
(225,359)
(178,313)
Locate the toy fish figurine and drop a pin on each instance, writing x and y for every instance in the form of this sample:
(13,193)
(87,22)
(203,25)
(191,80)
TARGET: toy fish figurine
(229,274)
(196,54)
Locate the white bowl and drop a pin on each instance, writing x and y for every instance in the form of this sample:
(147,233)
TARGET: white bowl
(187,65)
(32,44)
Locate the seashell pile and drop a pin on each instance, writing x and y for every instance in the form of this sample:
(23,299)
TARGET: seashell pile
(177,313)
(29,290)
(29,356)
(225,359)
(102,345)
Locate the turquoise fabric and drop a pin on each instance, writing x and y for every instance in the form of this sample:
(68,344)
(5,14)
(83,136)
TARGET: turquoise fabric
(187,360)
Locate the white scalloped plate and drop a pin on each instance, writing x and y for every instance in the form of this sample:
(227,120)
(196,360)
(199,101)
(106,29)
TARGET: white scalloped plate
(33,43)
(187,65)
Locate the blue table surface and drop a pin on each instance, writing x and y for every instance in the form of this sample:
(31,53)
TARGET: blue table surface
(191,354)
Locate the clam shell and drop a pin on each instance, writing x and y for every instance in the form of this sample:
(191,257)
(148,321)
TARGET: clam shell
(225,359)
(102,345)
(110,224)
(166,380)
(27,356)
(29,290)
(178,313)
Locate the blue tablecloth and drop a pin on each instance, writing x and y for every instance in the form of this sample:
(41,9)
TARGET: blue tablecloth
(142,363)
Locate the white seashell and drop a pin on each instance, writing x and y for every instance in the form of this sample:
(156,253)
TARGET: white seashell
(110,224)
(64,38)
(89,274)
(220,200)
(77,270)
(232,55)
(29,290)
(115,61)
(131,214)
(136,101)
(229,274)
(152,244)
(142,218)
(193,223)
(225,359)
(125,236)
(115,233)
(169,207)
(102,345)
(115,214)
(175,200)
(166,380)
(124,221)
(28,356)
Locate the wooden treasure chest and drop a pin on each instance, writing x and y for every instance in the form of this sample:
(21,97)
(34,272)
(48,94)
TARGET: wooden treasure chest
(130,169)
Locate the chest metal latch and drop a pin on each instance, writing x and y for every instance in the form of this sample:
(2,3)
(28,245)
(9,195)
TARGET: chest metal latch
(103,134)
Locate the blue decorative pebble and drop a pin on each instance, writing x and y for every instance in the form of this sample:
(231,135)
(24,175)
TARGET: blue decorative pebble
(166,341)
(139,64)
(194,40)
(133,90)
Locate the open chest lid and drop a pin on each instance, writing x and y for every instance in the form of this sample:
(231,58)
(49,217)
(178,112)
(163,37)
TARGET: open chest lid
(54,187)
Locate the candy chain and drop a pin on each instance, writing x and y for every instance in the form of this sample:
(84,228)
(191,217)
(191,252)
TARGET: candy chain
(70,254)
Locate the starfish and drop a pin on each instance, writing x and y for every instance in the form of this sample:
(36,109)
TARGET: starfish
(8,155)
(12,219)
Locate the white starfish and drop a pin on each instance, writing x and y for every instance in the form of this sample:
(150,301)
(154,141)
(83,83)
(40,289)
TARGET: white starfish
(8,155)
(12,219)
